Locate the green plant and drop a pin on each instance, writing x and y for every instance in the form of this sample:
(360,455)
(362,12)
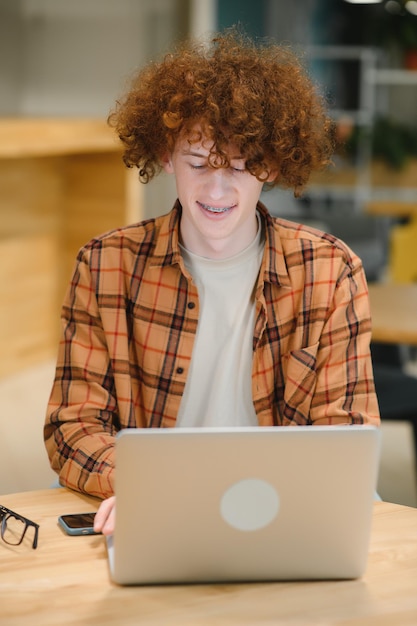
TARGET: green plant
(392,142)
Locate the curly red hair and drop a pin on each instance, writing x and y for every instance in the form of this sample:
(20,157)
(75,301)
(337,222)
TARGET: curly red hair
(257,97)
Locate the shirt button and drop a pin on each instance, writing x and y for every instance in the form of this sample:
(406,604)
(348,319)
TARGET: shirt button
(180,370)
(191,305)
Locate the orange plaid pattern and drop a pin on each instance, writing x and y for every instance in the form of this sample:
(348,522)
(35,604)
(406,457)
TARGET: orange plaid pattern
(128,325)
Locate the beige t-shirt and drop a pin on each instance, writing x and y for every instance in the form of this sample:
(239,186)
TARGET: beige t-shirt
(218,391)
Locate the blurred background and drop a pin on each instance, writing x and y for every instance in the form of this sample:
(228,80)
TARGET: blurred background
(62,181)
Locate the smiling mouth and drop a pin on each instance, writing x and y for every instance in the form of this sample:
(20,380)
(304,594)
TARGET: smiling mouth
(213,209)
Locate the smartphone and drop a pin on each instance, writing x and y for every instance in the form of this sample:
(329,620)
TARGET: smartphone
(78,523)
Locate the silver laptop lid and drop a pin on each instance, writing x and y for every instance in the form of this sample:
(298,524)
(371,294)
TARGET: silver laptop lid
(211,505)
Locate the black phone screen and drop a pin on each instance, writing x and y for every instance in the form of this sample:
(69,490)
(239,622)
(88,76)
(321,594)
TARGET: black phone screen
(79,520)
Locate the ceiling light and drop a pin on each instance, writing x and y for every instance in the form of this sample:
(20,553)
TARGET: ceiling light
(411,6)
(393,7)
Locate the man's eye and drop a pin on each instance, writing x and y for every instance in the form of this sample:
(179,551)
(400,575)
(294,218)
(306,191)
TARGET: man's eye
(239,169)
(196,167)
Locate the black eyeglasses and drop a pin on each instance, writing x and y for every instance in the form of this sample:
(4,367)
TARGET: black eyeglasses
(14,527)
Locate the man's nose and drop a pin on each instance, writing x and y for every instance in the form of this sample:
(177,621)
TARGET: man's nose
(219,182)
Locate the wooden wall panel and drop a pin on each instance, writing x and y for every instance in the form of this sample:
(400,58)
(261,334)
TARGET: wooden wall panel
(60,184)
(94,201)
(30,190)
(28,307)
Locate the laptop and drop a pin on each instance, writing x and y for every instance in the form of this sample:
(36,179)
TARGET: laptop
(252,504)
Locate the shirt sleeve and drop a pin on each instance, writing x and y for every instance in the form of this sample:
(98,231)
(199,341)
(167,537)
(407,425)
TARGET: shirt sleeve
(82,420)
(345,391)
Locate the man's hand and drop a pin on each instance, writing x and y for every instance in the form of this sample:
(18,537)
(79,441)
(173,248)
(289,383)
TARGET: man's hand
(105,517)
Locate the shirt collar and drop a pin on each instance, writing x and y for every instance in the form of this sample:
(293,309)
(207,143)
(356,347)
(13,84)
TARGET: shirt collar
(167,250)
(274,269)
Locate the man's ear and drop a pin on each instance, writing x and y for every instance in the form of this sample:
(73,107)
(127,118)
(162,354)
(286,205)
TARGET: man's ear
(166,162)
(272,176)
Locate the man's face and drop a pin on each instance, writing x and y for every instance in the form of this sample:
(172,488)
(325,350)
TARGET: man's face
(218,205)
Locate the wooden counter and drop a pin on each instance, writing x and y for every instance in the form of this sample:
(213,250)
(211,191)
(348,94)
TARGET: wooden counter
(62,181)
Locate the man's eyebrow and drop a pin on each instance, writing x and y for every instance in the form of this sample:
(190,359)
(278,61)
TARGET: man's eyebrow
(193,153)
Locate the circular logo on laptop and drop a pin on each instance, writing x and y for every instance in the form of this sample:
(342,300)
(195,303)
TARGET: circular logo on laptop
(249,504)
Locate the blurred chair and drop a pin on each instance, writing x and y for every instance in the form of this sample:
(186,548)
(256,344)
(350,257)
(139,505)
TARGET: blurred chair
(403,258)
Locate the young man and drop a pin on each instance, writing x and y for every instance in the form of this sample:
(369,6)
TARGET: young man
(215,314)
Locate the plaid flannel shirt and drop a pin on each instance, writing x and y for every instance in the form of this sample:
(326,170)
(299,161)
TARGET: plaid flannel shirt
(128,325)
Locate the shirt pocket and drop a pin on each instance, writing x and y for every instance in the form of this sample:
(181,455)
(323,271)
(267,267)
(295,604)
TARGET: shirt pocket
(300,376)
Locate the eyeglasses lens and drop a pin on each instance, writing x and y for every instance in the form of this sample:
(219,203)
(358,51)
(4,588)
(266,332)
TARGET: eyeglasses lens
(13,530)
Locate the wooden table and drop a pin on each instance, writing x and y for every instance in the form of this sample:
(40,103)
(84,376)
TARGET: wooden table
(66,581)
(394,312)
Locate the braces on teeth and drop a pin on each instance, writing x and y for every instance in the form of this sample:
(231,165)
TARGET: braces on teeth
(213,209)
